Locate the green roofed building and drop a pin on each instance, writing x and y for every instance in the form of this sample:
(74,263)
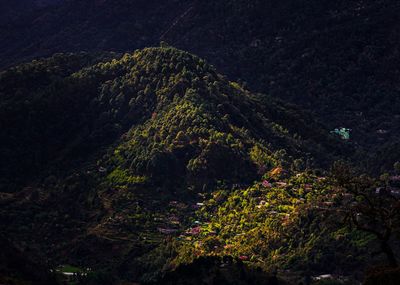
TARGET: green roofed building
(344,133)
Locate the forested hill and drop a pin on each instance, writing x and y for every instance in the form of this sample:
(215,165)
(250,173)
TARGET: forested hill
(338,59)
(117,150)
(76,106)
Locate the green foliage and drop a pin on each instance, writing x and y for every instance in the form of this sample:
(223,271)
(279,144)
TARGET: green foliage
(181,120)
(121,177)
(259,156)
(123,147)
(115,140)
(291,224)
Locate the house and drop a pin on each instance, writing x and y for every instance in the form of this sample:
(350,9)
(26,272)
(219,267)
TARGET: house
(344,133)
(395,178)
(194,231)
(277,171)
(323,277)
(174,220)
(395,192)
(266,184)
(308,187)
(181,206)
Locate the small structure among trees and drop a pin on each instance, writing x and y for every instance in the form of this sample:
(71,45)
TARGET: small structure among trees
(344,133)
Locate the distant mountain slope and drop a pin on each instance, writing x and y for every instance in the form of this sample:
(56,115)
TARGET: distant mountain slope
(337,58)
(92,25)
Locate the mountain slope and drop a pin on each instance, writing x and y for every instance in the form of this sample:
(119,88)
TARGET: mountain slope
(72,111)
(38,117)
(117,151)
